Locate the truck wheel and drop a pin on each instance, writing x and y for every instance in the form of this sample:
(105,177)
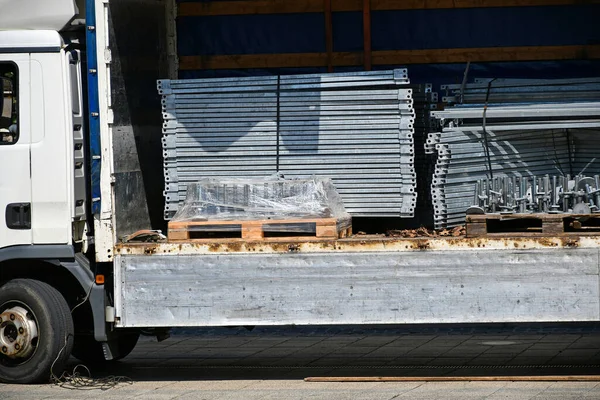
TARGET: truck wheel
(87,349)
(36,331)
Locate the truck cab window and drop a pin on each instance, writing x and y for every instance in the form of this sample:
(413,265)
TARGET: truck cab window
(9,130)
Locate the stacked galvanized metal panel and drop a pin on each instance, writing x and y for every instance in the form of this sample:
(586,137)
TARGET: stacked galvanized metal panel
(523,140)
(356,128)
(205,131)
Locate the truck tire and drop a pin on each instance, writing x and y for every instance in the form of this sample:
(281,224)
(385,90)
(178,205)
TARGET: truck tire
(36,331)
(88,350)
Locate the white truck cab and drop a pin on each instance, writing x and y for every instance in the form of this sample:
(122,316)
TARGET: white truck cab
(42,191)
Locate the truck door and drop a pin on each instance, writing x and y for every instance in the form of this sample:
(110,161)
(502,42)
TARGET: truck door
(15,174)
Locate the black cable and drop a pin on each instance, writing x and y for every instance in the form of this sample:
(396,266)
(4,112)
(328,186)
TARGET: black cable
(277,121)
(83,381)
(485,138)
(464,83)
(570,151)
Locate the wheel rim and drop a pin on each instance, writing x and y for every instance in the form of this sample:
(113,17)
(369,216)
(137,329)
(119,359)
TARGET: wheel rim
(19,333)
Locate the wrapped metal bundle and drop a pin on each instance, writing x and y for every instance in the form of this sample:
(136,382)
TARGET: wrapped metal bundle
(213,199)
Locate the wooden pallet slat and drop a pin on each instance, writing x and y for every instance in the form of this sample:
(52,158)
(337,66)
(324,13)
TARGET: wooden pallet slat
(532,225)
(260,230)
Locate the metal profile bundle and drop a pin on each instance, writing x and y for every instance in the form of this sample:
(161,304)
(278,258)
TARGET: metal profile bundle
(522,90)
(355,128)
(518,142)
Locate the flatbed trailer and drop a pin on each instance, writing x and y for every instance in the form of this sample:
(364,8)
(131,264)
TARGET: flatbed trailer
(90,136)
(359,280)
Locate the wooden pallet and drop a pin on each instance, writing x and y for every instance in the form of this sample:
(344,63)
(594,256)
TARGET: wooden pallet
(260,230)
(532,225)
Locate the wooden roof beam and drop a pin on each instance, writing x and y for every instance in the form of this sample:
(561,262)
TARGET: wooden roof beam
(392,57)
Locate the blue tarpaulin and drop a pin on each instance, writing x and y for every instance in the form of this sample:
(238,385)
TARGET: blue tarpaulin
(400,30)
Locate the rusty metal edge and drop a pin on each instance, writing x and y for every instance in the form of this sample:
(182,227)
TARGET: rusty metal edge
(360,245)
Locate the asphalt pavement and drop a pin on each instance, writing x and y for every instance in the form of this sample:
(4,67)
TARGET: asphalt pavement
(271,363)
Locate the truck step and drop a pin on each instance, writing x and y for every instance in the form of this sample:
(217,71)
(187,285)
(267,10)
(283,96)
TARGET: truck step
(532,225)
(260,230)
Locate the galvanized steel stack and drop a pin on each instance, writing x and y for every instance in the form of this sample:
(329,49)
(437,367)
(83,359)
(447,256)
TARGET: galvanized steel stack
(356,128)
(524,139)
